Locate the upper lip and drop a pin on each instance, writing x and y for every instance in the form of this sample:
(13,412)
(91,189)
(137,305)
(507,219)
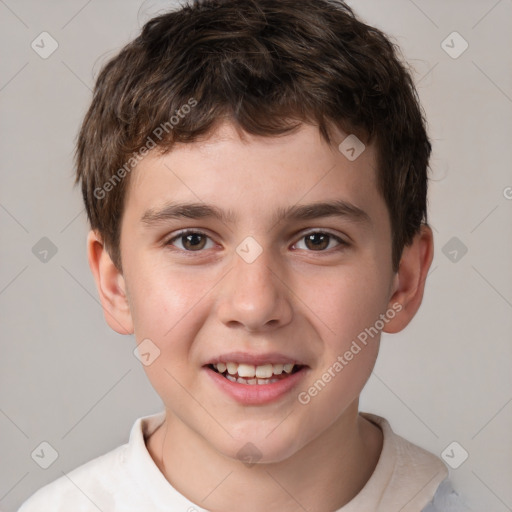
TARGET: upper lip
(254,359)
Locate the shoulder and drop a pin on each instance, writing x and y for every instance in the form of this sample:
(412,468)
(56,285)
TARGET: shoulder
(410,461)
(125,479)
(407,476)
(86,488)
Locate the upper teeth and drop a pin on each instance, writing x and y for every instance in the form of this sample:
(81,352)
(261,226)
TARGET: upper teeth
(264,371)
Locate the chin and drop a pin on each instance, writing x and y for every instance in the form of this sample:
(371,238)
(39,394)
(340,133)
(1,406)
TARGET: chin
(257,446)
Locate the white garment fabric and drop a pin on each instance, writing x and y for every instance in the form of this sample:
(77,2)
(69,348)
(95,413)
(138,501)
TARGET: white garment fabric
(127,479)
(446,500)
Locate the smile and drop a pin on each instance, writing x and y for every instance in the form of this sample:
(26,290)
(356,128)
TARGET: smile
(255,375)
(254,389)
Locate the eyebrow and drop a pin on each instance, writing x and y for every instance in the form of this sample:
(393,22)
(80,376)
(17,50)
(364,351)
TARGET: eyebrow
(338,208)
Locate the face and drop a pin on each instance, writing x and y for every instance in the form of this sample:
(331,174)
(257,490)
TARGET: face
(284,258)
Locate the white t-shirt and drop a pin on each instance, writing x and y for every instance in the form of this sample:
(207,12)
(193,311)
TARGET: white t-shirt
(127,479)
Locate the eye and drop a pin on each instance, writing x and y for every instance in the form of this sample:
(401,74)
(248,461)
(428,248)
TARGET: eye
(196,241)
(318,241)
(192,241)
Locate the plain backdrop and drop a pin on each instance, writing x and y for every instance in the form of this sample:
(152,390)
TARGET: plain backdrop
(68,380)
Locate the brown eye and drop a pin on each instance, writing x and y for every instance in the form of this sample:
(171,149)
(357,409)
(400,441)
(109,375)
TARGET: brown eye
(191,241)
(319,241)
(194,241)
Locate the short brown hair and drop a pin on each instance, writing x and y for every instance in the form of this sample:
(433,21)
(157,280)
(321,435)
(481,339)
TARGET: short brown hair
(267,66)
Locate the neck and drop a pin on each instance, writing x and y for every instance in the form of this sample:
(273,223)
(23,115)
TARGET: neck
(323,475)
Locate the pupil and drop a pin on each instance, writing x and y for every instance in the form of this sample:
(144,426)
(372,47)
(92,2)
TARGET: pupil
(318,243)
(192,240)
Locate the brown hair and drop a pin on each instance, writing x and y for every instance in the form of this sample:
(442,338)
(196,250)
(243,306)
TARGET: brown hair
(268,66)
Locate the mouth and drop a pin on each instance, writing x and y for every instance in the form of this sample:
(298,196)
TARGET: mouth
(255,375)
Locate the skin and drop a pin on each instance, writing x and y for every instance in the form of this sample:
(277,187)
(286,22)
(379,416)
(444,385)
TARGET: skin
(295,298)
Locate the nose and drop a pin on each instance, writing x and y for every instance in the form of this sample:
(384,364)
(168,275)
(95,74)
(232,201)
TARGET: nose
(255,295)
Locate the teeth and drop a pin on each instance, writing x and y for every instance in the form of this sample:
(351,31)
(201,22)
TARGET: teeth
(288,368)
(251,382)
(254,373)
(246,370)
(232,368)
(278,369)
(265,371)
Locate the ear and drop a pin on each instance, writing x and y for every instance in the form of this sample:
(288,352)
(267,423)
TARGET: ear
(110,284)
(410,279)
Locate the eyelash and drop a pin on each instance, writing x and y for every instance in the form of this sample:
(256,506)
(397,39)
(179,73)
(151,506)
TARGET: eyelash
(342,243)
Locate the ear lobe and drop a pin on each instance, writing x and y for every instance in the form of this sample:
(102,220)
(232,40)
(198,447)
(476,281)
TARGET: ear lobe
(110,284)
(410,279)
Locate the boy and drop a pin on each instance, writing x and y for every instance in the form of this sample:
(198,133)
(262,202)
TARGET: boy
(254,172)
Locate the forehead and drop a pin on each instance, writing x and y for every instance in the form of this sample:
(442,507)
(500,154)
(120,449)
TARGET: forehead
(240,172)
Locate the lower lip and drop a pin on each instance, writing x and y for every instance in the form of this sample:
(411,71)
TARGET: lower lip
(255,394)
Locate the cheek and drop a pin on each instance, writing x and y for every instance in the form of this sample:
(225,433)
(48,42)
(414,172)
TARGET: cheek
(165,301)
(349,301)
(353,304)
(168,308)
(349,349)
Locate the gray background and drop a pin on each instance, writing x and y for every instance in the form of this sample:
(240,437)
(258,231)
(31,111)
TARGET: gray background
(69,380)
